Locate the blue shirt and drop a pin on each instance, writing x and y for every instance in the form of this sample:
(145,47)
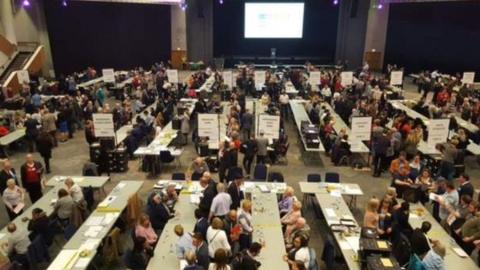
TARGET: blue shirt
(433,261)
(37,100)
(184,244)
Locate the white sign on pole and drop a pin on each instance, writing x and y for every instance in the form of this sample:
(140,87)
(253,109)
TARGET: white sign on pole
(396,77)
(208,126)
(315,78)
(361,129)
(269,125)
(103,125)
(108,75)
(172,75)
(346,78)
(228,78)
(468,77)
(23,76)
(438,131)
(259,78)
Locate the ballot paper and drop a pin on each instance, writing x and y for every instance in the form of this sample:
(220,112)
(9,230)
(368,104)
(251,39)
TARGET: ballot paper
(336,193)
(330,212)
(120,186)
(18,208)
(90,244)
(183,264)
(352,191)
(263,188)
(78,179)
(434,197)
(64,258)
(344,245)
(194,198)
(460,252)
(82,263)
(93,231)
(354,242)
(109,218)
(249,185)
(94,221)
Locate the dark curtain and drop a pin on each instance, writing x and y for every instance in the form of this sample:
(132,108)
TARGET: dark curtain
(436,35)
(107,35)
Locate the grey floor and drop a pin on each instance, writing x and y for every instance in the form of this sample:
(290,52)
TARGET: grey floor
(70,156)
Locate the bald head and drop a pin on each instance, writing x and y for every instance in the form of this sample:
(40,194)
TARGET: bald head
(29,158)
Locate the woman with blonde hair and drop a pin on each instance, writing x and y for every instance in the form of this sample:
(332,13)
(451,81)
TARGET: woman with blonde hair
(13,196)
(371,217)
(216,237)
(144,229)
(291,218)
(286,202)
(245,221)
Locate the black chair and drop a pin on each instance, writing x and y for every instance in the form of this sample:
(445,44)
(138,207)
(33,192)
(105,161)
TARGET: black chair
(260,173)
(332,177)
(314,178)
(196,176)
(166,157)
(89,197)
(178,176)
(276,177)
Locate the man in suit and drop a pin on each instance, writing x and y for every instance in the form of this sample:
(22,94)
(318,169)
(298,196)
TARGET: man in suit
(209,192)
(262,144)
(465,187)
(249,149)
(234,190)
(7,173)
(419,240)
(201,250)
(158,211)
(201,225)
(246,124)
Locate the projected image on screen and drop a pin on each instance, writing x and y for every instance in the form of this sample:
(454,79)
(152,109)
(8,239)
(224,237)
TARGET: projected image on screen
(273,20)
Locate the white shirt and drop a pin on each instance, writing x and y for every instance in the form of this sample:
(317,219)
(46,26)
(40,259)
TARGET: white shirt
(221,204)
(76,193)
(216,239)
(326,92)
(303,255)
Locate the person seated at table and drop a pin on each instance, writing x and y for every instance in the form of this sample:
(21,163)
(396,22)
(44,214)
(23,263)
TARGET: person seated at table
(419,240)
(286,203)
(39,225)
(400,221)
(13,196)
(16,246)
(201,250)
(198,167)
(74,190)
(463,140)
(341,150)
(158,211)
(385,217)
(299,252)
(400,169)
(216,237)
(138,257)
(435,258)
(63,208)
(371,217)
(171,196)
(144,229)
(425,181)
(246,260)
(415,167)
(184,242)
(301,229)
(290,218)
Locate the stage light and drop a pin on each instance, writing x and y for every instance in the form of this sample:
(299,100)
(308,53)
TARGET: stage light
(335,2)
(220,1)
(380,6)
(183,5)
(25,3)
(64,3)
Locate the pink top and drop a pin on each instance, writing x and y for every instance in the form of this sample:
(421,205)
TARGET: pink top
(290,219)
(148,233)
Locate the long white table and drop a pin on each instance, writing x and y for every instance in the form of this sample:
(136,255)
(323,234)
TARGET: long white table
(122,133)
(334,208)
(452,260)
(82,181)
(327,188)
(299,115)
(103,218)
(12,136)
(268,229)
(338,125)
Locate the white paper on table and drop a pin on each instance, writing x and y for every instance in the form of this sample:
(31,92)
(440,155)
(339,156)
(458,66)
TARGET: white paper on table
(94,221)
(90,244)
(353,242)
(78,179)
(93,231)
(336,193)
(344,245)
(18,208)
(109,218)
(249,185)
(82,263)
(162,182)
(121,185)
(263,188)
(62,259)
(53,201)
(460,252)
(194,198)
(352,191)
(413,215)
(183,264)
(434,197)
(2,235)
(330,212)
(107,201)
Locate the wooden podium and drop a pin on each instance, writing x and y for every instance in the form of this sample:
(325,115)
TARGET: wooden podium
(374,60)
(178,57)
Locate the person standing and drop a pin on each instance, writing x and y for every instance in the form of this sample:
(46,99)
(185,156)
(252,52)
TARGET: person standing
(185,126)
(246,124)
(45,145)
(48,125)
(31,132)
(262,144)
(380,147)
(100,95)
(31,174)
(7,173)
(249,149)
(284,99)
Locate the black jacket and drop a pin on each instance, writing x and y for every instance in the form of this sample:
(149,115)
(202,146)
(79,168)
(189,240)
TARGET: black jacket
(419,242)
(208,194)
(4,176)
(201,226)
(203,258)
(236,194)
(45,144)
(466,189)
(158,213)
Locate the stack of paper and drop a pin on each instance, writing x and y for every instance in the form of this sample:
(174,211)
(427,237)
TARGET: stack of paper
(90,244)
(263,188)
(109,218)
(107,201)
(93,231)
(330,212)
(195,199)
(94,221)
